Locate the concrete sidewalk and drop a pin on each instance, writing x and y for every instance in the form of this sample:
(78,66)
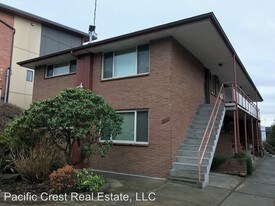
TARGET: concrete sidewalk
(224,190)
(257,189)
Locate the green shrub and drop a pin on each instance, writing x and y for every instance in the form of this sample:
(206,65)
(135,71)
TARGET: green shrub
(248,160)
(6,163)
(217,162)
(249,166)
(35,164)
(239,155)
(75,117)
(271,136)
(87,181)
(63,180)
(8,112)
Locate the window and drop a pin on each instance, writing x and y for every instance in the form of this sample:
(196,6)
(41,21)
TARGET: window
(134,128)
(127,62)
(29,76)
(61,69)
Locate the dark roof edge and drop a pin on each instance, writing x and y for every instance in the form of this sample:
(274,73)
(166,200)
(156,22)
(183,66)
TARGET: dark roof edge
(149,30)
(205,16)
(39,19)
(124,36)
(22,63)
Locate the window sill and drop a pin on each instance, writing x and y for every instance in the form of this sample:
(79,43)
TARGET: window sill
(131,144)
(61,75)
(137,144)
(126,77)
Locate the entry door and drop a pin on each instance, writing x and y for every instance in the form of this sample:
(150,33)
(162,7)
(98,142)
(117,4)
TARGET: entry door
(206,86)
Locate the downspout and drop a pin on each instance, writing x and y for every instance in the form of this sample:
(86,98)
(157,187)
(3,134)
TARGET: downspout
(245,133)
(252,135)
(9,70)
(77,70)
(258,127)
(236,114)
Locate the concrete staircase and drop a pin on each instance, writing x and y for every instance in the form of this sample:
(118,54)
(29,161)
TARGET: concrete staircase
(185,166)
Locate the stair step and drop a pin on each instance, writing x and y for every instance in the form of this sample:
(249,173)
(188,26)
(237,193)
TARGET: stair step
(203,126)
(186,174)
(200,121)
(189,153)
(204,119)
(188,166)
(201,131)
(185,167)
(190,147)
(186,181)
(196,141)
(192,160)
(199,137)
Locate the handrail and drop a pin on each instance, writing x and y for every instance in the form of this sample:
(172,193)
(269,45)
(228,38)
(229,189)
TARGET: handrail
(249,104)
(209,129)
(269,147)
(247,98)
(245,101)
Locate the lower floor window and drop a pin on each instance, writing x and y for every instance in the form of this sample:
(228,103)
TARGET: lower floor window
(134,127)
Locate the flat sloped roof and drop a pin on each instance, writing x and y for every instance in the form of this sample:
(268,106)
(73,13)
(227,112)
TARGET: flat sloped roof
(202,35)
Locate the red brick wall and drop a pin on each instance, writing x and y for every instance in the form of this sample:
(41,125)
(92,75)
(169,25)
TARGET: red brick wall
(224,146)
(172,91)
(187,92)
(49,87)
(84,71)
(5,45)
(152,92)
(233,166)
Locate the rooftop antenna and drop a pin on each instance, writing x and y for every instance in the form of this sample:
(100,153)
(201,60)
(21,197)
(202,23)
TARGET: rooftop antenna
(92,34)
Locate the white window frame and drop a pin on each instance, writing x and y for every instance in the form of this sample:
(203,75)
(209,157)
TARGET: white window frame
(135,129)
(54,66)
(136,65)
(31,76)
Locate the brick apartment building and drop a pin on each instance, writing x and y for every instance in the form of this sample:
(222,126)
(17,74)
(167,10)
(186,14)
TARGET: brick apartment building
(164,81)
(24,36)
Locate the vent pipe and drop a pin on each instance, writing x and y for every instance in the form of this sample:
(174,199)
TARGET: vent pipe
(92,34)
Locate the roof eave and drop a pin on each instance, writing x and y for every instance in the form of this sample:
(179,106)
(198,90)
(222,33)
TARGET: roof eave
(202,17)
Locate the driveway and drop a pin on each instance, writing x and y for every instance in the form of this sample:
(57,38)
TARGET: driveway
(224,190)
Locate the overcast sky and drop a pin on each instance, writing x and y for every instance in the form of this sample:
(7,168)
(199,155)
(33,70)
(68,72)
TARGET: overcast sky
(249,25)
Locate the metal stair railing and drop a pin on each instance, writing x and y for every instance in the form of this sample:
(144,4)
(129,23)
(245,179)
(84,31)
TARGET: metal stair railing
(269,147)
(209,129)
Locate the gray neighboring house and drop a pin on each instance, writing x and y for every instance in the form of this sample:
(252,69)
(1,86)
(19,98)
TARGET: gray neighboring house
(25,36)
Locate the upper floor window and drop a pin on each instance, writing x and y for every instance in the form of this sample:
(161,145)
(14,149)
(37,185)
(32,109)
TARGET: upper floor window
(126,62)
(61,69)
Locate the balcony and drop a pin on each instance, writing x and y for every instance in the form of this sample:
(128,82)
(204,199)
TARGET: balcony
(242,100)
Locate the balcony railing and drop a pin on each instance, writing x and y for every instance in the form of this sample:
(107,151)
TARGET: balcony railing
(243,101)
